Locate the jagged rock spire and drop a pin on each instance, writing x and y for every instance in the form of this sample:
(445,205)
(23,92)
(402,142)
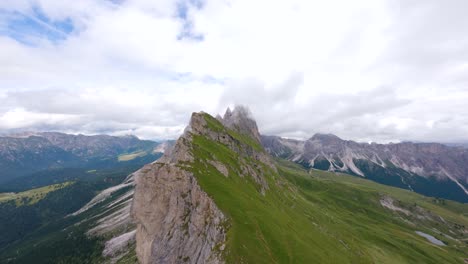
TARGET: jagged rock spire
(240,119)
(228,113)
(174,215)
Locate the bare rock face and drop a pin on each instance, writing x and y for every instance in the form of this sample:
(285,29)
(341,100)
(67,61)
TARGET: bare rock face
(424,159)
(242,123)
(240,120)
(177,222)
(410,164)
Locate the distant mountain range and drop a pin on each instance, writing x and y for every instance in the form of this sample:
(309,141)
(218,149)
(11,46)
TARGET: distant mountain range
(46,177)
(218,196)
(461,144)
(431,169)
(28,153)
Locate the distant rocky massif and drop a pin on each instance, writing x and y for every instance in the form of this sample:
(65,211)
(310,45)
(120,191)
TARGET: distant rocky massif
(26,153)
(431,169)
(225,194)
(219,197)
(177,220)
(64,197)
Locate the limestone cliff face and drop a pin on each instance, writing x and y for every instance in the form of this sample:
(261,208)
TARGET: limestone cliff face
(177,222)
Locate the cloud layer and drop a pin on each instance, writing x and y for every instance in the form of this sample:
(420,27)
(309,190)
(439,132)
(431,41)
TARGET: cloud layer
(364,70)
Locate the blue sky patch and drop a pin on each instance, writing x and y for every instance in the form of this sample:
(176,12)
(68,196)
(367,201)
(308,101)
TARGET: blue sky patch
(28,28)
(182,13)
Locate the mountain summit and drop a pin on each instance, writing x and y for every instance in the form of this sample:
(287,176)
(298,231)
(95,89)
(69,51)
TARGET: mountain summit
(429,168)
(27,153)
(176,219)
(241,121)
(325,137)
(219,197)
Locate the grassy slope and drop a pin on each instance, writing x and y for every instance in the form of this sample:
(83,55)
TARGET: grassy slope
(317,217)
(32,196)
(131,156)
(65,240)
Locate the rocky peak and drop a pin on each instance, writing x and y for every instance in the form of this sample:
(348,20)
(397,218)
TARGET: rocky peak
(327,143)
(326,138)
(177,221)
(422,164)
(240,120)
(228,113)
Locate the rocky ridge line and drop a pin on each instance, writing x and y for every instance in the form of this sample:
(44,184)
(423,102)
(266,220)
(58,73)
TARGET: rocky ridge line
(177,222)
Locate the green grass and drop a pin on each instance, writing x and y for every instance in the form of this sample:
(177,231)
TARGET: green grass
(64,240)
(132,156)
(318,217)
(130,257)
(32,196)
(215,125)
(6,196)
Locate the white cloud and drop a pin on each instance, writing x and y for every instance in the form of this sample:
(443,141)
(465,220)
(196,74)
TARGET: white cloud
(366,70)
(20,118)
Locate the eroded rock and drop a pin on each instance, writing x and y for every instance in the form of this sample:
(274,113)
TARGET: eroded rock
(177,222)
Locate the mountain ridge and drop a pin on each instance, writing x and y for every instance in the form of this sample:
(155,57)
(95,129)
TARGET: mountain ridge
(28,153)
(429,161)
(219,197)
(172,232)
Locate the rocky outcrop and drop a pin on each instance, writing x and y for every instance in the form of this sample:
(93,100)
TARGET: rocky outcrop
(237,122)
(406,162)
(241,120)
(108,219)
(177,222)
(27,153)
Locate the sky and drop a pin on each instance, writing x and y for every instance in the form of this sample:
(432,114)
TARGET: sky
(366,70)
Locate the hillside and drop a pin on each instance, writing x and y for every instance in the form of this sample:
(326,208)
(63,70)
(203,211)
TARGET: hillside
(219,197)
(70,223)
(68,215)
(28,153)
(431,169)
